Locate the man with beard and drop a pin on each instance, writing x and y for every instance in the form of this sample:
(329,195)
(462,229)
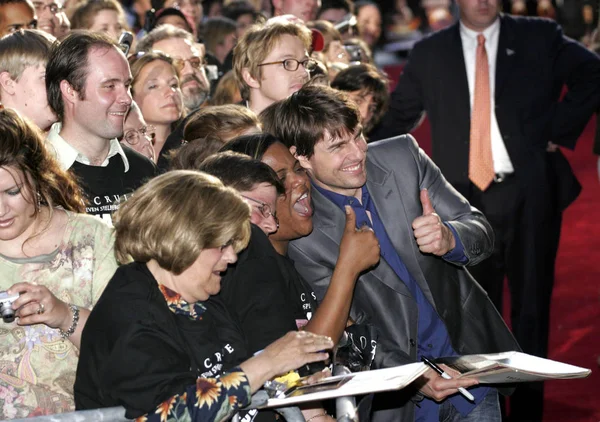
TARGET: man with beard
(88,84)
(187,56)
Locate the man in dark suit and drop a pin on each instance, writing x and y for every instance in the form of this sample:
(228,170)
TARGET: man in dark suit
(508,130)
(420,297)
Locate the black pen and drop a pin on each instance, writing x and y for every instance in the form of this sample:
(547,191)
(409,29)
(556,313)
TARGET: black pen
(444,375)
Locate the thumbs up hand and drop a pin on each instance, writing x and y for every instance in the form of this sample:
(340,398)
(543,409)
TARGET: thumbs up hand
(359,248)
(432,235)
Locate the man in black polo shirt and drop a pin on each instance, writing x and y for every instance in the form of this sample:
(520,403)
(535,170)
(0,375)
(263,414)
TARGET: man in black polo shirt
(88,83)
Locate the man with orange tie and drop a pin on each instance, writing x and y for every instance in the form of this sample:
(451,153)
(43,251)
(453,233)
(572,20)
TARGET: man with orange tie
(491,87)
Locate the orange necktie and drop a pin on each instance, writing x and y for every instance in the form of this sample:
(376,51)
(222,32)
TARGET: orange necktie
(481,163)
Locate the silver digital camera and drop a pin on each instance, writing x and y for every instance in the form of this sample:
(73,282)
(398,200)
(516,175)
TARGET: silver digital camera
(6,310)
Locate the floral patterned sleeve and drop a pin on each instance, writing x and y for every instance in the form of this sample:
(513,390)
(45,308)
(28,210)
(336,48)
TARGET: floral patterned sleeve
(210,399)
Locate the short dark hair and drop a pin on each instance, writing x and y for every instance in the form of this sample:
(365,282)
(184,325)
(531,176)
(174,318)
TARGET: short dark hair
(192,154)
(240,171)
(365,77)
(68,61)
(254,145)
(347,5)
(307,116)
(238,8)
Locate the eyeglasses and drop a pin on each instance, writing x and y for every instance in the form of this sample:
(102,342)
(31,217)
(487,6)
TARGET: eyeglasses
(264,209)
(293,64)
(133,136)
(195,62)
(53,7)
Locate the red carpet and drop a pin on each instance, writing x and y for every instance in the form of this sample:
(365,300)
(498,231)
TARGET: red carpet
(575,314)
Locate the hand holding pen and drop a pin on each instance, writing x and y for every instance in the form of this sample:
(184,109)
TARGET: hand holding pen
(440,385)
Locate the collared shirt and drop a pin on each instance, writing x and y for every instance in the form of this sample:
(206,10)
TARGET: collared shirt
(67,155)
(432,335)
(179,306)
(502,163)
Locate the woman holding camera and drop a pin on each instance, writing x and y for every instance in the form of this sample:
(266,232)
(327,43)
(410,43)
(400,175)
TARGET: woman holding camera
(54,263)
(152,343)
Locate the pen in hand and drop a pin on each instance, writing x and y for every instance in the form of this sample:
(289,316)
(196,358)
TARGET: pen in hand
(444,375)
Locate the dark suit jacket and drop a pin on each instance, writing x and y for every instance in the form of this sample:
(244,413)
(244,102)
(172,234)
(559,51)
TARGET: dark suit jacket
(396,172)
(533,63)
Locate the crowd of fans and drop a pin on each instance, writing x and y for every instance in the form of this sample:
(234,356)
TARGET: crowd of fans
(179,300)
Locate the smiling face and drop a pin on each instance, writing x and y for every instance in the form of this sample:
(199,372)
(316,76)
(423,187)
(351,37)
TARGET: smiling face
(203,278)
(303,9)
(368,21)
(157,93)
(107,21)
(30,97)
(338,164)
(17,210)
(275,82)
(100,111)
(294,209)
(262,194)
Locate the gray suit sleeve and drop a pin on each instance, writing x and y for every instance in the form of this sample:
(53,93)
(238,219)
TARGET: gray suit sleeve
(472,227)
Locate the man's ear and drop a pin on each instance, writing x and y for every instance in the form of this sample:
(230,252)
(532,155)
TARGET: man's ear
(249,79)
(68,93)
(302,159)
(7,83)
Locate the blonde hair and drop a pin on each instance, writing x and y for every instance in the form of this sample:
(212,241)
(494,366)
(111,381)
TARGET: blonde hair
(23,49)
(173,217)
(256,44)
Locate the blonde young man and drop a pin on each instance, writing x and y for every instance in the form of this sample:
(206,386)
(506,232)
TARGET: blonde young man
(23,59)
(271,62)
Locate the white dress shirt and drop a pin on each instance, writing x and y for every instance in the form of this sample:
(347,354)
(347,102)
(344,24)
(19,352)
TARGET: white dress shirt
(67,155)
(502,163)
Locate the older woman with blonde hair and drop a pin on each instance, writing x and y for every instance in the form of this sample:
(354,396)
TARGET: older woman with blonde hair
(152,343)
(54,262)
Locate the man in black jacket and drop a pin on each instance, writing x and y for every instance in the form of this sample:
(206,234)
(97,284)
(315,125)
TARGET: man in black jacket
(507,119)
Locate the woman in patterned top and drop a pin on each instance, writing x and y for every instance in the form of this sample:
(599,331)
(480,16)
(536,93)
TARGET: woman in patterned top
(55,262)
(152,344)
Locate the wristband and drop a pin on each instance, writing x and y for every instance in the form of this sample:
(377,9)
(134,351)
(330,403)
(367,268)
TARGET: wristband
(73,327)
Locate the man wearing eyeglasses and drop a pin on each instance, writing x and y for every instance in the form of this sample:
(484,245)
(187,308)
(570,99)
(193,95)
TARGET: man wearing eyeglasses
(47,12)
(187,56)
(15,15)
(267,75)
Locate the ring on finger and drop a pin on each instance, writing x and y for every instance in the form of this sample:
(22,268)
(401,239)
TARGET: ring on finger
(41,309)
